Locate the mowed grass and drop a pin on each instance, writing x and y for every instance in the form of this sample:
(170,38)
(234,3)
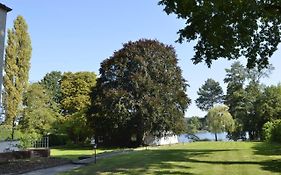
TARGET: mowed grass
(199,158)
(75,153)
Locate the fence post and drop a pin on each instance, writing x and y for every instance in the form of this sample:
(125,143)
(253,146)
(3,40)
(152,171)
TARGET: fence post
(47,141)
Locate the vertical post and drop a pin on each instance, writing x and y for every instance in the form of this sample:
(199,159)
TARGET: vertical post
(95,147)
(3,15)
(44,142)
(47,141)
(93,142)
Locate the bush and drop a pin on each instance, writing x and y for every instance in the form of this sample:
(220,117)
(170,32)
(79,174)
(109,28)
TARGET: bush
(58,139)
(6,133)
(272,131)
(26,139)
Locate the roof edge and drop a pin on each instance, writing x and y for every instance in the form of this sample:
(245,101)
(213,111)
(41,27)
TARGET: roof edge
(2,6)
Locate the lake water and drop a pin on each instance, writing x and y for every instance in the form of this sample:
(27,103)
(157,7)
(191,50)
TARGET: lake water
(203,135)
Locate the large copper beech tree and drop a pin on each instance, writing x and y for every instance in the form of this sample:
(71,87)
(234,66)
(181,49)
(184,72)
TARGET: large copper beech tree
(140,92)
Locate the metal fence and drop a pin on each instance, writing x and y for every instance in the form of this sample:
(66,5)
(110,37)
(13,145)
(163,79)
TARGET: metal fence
(41,143)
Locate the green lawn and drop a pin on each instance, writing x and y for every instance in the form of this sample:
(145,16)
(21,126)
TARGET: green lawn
(74,153)
(200,158)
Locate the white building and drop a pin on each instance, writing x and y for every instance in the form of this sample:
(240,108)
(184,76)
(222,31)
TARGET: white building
(154,141)
(7,146)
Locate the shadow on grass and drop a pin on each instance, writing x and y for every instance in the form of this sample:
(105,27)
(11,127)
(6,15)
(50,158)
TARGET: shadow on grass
(157,162)
(268,149)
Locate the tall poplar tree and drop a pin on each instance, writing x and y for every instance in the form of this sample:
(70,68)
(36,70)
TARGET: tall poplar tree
(17,65)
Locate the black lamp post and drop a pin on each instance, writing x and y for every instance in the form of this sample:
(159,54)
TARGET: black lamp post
(95,148)
(93,142)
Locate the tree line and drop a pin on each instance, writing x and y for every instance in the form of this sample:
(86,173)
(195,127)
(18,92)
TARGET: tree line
(141,91)
(253,105)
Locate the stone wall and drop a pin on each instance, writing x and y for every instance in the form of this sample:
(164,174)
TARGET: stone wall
(25,154)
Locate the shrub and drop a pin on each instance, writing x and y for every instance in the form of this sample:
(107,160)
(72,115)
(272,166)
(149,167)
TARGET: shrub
(26,139)
(6,133)
(272,131)
(58,139)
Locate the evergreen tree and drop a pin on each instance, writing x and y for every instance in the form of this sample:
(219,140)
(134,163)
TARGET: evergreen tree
(242,99)
(17,65)
(235,79)
(209,94)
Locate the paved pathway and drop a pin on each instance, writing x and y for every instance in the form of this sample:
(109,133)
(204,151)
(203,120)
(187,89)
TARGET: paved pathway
(53,170)
(76,164)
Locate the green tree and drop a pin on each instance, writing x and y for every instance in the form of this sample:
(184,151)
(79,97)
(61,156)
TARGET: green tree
(51,81)
(242,99)
(17,65)
(38,116)
(219,120)
(76,89)
(254,75)
(272,131)
(209,94)
(193,125)
(235,97)
(229,29)
(140,92)
(252,120)
(269,103)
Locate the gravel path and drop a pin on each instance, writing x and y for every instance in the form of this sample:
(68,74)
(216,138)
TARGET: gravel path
(54,170)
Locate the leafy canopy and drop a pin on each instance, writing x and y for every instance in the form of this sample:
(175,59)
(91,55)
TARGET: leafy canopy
(193,125)
(76,89)
(219,119)
(38,116)
(51,81)
(17,65)
(140,91)
(75,101)
(229,29)
(245,99)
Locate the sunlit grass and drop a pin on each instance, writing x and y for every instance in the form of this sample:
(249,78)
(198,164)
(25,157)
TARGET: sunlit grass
(75,153)
(201,158)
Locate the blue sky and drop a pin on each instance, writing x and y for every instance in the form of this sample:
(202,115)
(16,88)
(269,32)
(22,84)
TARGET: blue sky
(70,35)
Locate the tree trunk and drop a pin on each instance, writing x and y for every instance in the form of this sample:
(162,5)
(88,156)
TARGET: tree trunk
(216,137)
(139,139)
(13,129)
(251,135)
